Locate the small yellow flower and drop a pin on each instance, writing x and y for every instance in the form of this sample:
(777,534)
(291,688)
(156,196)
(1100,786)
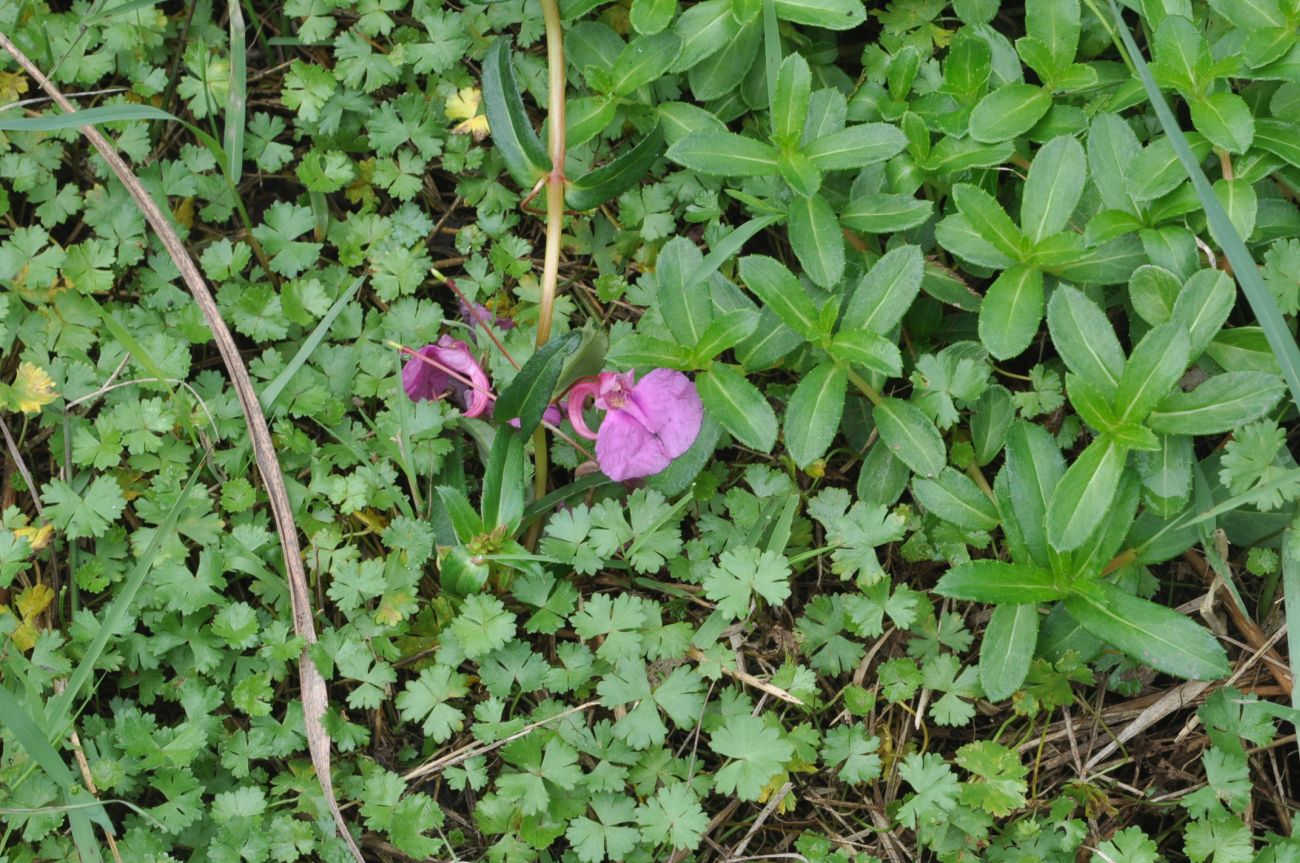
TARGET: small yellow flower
(32,389)
(464,106)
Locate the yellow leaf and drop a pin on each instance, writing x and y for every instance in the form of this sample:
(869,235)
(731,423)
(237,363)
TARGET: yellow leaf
(12,85)
(463,105)
(34,600)
(33,388)
(476,126)
(184,212)
(374,521)
(394,607)
(37,537)
(31,602)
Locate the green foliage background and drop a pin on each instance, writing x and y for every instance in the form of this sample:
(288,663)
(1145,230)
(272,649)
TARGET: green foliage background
(962,329)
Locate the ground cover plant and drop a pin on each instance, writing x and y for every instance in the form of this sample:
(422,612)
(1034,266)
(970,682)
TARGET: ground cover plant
(640,431)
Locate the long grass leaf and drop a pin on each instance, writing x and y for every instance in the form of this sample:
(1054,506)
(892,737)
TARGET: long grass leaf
(771,50)
(236,95)
(1261,300)
(1291,591)
(85,117)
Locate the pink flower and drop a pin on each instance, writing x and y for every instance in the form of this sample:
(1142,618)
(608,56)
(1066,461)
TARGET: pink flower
(647,424)
(447,366)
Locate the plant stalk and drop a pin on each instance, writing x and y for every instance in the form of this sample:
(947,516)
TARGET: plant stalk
(556,81)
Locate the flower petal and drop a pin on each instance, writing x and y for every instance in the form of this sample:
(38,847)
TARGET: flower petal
(671,408)
(455,355)
(578,396)
(625,449)
(422,380)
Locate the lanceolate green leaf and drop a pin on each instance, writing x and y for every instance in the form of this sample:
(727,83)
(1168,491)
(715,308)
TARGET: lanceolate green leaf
(1262,301)
(988,218)
(882,213)
(827,14)
(725,154)
(738,406)
(1218,405)
(1152,371)
(1011,311)
(1007,649)
(869,350)
(816,238)
(1008,112)
(503,480)
(999,583)
(612,180)
(533,387)
(84,117)
(1084,337)
(1154,634)
(644,60)
(886,292)
(790,106)
(236,95)
(955,498)
(725,332)
(512,132)
(780,291)
(1083,494)
(911,436)
(856,146)
(813,415)
(1052,187)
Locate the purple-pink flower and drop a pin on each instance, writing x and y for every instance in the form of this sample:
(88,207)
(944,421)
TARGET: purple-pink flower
(448,366)
(647,424)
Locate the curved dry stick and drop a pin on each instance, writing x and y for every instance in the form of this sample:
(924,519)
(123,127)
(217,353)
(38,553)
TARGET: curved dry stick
(311,683)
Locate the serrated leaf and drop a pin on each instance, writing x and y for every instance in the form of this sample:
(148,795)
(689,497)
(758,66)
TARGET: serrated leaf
(911,436)
(1011,311)
(813,414)
(738,406)
(1084,494)
(1154,634)
(816,239)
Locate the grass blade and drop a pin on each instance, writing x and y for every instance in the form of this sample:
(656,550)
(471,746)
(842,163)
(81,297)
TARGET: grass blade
(1291,591)
(1261,300)
(236,95)
(272,390)
(85,117)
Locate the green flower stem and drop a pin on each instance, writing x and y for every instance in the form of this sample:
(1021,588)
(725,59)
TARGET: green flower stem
(554,220)
(555,180)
